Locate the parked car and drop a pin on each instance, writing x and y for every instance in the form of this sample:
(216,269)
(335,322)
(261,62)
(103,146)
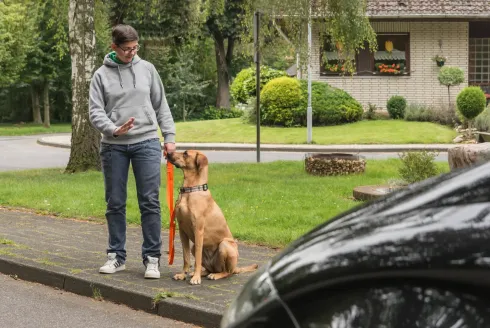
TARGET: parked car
(419,257)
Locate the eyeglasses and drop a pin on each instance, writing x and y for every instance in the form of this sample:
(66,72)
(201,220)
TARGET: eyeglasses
(129,50)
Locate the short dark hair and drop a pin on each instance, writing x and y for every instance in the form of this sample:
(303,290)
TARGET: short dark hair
(124,33)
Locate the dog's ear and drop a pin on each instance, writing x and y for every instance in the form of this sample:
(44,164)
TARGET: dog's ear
(201,161)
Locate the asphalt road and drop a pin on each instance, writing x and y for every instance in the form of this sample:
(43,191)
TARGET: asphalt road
(21,153)
(25,305)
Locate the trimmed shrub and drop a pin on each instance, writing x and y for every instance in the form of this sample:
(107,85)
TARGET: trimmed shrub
(471,102)
(331,106)
(482,121)
(396,107)
(417,166)
(280,99)
(243,86)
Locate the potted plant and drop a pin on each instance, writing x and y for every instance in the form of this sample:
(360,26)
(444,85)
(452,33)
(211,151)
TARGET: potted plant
(440,60)
(390,68)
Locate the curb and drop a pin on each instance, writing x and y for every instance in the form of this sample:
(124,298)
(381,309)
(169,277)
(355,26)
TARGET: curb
(292,148)
(168,308)
(53,143)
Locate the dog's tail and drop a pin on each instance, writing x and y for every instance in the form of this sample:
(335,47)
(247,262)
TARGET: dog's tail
(248,268)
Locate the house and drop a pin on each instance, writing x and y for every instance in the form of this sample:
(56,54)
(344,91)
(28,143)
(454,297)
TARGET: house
(409,34)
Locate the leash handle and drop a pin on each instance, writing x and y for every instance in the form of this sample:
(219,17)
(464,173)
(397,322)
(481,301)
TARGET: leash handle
(170,204)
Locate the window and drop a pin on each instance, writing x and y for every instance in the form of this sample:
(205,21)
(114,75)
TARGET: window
(392,306)
(479,55)
(331,63)
(391,58)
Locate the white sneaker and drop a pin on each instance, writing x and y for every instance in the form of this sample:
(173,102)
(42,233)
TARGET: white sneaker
(112,265)
(152,271)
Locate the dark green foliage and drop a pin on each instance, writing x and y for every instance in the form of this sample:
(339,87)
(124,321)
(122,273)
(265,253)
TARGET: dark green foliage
(396,107)
(213,113)
(331,106)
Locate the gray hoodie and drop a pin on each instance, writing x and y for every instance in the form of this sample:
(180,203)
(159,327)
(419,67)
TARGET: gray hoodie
(121,91)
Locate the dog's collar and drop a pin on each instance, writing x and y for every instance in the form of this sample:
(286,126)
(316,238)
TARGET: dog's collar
(203,187)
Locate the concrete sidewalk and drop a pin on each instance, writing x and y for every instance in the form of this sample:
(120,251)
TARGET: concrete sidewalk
(64,141)
(67,254)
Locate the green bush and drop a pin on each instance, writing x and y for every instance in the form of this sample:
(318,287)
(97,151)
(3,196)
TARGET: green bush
(331,106)
(243,86)
(482,121)
(284,102)
(396,107)
(280,99)
(471,102)
(417,166)
(213,113)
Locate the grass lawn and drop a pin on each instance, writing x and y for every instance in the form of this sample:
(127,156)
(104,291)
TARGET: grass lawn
(235,131)
(268,203)
(364,132)
(31,129)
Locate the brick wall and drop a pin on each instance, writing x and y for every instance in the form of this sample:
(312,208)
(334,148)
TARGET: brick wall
(422,86)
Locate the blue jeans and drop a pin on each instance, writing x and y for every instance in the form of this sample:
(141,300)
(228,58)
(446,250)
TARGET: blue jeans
(145,158)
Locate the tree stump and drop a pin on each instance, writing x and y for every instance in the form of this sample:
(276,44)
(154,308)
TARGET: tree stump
(334,164)
(468,155)
(366,193)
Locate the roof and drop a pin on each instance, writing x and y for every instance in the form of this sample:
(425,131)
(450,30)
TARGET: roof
(428,8)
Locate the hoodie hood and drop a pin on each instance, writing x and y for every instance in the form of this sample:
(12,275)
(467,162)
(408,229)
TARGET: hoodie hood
(111,63)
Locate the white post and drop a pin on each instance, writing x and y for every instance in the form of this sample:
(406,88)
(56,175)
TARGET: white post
(309,113)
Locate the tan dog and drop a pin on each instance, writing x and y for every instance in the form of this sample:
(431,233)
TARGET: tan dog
(201,221)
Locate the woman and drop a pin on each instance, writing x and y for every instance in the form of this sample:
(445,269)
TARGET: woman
(128,105)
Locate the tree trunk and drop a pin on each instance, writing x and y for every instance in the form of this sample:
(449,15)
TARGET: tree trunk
(36,110)
(47,120)
(85,140)
(183,111)
(223,61)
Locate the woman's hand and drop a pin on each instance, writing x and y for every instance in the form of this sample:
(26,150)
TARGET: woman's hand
(123,129)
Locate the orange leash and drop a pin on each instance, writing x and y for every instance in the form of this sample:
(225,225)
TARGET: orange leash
(170,203)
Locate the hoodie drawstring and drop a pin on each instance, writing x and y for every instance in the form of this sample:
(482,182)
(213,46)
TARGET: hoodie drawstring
(134,75)
(120,78)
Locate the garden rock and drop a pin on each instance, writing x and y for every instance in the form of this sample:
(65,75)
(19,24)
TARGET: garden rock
(458,139)
(334,164)
(468,155)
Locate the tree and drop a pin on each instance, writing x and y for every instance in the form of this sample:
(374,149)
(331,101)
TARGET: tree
(17,37)
(450,76)
(224,21)
(85,139)
(44,63)
(184,84)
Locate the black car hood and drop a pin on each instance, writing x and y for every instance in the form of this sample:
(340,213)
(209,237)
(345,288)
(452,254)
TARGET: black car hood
(437,225)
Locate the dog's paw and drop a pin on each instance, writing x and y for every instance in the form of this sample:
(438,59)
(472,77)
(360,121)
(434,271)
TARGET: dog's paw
(212,276)
(196,280)
(180,276)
